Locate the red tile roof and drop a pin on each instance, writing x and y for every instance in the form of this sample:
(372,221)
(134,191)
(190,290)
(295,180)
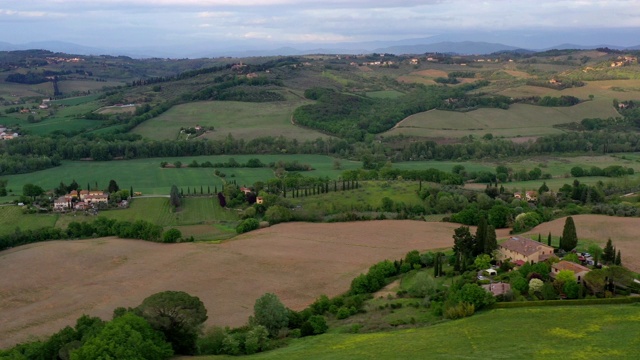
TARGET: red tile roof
(523,245)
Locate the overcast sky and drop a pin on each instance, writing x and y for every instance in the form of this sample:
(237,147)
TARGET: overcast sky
(120,23)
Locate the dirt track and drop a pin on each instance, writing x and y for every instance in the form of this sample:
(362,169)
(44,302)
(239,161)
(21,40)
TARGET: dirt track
(47,286)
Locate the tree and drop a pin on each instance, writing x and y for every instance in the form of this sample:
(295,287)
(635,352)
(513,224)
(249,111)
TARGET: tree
(569,235)
(549,239)
(316,325)
(481,237)
(248,225)
(491,242)
(596,253)
(544,188)
(113,186)
(178,315)
(571,289)
(32,190)
(172,235)
(277,214)
(535,285)
(462,246)
(269,312)
(482,262)
(595,280)
(618,260)
(126,337)
(609,253)
(474,294)
(423,285)
(174,196)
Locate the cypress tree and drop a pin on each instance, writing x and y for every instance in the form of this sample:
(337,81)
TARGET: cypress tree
(569,235)
(539,238)
(208,189)
(481,237)
(491,241)
(201,192)
(618,259)
(609,253)
(436,262)
(188,190)
(549,239)
(131,191)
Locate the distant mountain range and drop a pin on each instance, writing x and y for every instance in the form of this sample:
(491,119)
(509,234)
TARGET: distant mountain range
(407,46)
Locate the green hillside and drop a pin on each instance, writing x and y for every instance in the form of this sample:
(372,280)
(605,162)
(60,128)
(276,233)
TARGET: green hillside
(580,332)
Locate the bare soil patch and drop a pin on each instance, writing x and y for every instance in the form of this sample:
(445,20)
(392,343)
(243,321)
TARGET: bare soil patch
(47,286)
(622,231)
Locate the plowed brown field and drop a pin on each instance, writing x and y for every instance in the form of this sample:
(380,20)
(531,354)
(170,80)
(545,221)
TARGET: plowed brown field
(47,286)
(624,233)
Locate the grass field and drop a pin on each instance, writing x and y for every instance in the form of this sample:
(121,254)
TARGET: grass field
(71,86)
(518,120)
(11,217)
(584,332)
(368,196)
(385,94)
(604,90)
(146,175)
(194,211)
(73,101)
(240,119)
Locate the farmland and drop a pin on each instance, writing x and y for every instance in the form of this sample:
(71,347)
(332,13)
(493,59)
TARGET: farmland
(560,333)
(599,228)
(519,120)
(240,119)
(150,178)
(11,217)
(297,261)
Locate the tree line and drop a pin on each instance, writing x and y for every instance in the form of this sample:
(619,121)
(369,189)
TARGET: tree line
(99,227)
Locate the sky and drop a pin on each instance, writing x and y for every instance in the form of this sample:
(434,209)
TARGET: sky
(181,23)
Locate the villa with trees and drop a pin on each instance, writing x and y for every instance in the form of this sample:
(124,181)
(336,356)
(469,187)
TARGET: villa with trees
(520,250)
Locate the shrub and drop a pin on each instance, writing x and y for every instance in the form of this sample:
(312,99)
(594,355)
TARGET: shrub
(459,311)
(247,225)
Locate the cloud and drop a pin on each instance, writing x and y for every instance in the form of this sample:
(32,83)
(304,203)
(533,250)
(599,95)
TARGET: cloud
(26,14)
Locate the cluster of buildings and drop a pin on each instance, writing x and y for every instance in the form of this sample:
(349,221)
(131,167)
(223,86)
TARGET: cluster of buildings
(520,250)
(57,59)
(7,134)
(624,61)
(81,200)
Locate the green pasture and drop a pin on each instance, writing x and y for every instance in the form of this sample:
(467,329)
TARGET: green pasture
(65,124)
(604,91)
(578,332)
(193,211)
(73,101)
(385,94)
(240,119)
(16,91)
(520,120)
(11,217)
(146,175)
(368,197)
(84,85)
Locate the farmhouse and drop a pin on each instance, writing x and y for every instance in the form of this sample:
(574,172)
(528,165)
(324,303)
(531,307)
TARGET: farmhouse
(62,203)
(93,199)
(245,190)
(578,270)
(259,200)
(520,250)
